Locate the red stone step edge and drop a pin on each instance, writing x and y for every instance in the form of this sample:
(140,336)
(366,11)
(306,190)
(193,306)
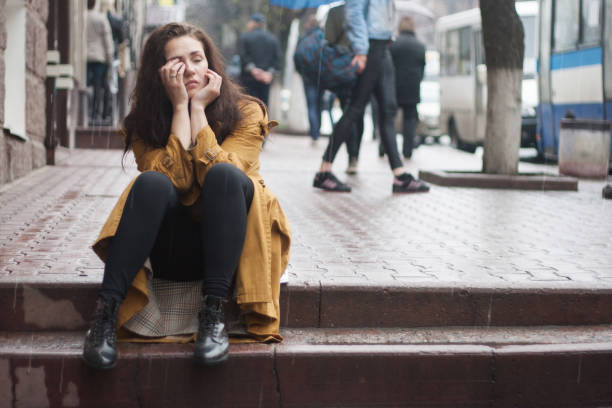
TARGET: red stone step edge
(66,306)
(46,370)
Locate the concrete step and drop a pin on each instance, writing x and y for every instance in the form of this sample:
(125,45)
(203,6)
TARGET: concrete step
(98,137)
(46,303)
(458,367)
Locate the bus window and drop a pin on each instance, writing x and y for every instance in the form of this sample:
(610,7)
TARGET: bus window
(479,51)
(591,21)
(529,61)
(451,53)
(566,24)
(465,46)
(456,52)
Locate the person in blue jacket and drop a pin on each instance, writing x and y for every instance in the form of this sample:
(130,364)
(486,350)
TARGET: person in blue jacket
(369,24)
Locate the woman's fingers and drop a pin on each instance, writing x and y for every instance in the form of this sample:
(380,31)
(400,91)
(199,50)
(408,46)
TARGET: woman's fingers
(170,69)
(179,72)
(171,74)
(214,79)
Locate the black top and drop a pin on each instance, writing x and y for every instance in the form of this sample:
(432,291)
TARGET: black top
(259,48)
(409,61)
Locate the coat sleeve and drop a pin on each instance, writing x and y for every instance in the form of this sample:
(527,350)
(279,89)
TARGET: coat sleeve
(240,148)
(172,160)
(356,25)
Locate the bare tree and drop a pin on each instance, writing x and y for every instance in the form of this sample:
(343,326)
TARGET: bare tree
(503,38)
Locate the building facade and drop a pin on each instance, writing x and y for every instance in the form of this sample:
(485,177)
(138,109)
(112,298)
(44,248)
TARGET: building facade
(23,48)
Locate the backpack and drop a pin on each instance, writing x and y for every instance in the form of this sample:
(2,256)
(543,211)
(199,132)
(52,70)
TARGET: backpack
(324,64)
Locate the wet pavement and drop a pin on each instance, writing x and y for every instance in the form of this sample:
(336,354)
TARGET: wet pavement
(448,238)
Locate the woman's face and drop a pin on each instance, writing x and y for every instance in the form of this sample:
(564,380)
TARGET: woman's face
(190,52)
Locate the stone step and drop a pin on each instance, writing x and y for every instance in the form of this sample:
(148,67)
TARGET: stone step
(44,304)
(458,367)
(98,137)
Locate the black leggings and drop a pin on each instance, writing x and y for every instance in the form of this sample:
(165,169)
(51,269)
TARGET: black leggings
(155,225)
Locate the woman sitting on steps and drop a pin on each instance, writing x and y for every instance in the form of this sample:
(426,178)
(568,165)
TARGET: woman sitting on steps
(199,215)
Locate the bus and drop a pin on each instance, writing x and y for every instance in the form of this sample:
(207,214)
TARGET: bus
(575,66)
(463,83)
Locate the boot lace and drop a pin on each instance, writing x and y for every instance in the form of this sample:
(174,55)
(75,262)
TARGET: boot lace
(103,325)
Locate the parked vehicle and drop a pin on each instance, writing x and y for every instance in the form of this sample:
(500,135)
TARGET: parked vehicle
(429,107)
(575,66)
(463,84)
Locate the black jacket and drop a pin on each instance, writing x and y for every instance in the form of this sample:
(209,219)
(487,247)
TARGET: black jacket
(259,48)
(409,61)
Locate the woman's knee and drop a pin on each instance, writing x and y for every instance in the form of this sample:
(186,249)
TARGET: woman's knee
(223,175)
(155,183)
(224,178)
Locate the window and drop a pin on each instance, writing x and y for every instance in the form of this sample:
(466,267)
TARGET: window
(456,52)
(591,27)
(451,54)
(576,22)
(566,24)
(608,56)
(529,61)
(14,74)
(465,51)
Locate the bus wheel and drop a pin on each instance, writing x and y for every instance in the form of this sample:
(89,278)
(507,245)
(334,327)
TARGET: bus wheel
(456,139)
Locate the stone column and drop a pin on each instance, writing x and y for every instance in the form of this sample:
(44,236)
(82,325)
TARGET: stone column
(17,156)
(3,154)
(36,62)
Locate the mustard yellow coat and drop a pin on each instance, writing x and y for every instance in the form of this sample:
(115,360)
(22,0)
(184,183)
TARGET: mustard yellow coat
(266,247)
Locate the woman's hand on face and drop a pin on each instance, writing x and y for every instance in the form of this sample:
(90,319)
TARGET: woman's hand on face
(172,77)
(210,92)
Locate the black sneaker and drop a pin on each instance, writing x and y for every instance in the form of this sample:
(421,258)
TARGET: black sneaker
(328,182)
(405,183)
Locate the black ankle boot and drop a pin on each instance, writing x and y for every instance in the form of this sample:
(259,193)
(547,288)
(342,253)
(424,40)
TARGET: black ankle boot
(212,343)
(100,342)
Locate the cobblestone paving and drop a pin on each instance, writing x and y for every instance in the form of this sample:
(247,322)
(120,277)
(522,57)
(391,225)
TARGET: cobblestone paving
(450,237)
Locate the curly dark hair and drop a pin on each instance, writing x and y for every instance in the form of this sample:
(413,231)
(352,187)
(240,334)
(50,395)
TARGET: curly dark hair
(150,117)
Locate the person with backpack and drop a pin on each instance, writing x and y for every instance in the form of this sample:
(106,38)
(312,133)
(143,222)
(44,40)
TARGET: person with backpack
(369,24)
(335,33)
(312,91)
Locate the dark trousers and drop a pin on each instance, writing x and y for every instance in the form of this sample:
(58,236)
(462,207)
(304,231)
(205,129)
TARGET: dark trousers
(257,89)
(378,78)
(96,77)
(410,120)
(314,102)
(156,225)
(353,143)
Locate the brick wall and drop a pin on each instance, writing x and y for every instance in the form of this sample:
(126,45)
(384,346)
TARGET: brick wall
(17,158)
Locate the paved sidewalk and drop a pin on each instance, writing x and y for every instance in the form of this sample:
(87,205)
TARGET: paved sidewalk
(449,238)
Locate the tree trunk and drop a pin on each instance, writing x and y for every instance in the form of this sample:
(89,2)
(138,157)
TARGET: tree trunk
(503,39)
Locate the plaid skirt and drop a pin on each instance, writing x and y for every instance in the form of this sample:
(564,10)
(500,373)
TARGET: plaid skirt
(174,307)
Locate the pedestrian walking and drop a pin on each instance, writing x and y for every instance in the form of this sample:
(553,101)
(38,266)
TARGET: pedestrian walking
(118,31)
(260,56)
(335,33)
(100,50)
(409,61)
(369,24)
(198,216)
(312,91)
